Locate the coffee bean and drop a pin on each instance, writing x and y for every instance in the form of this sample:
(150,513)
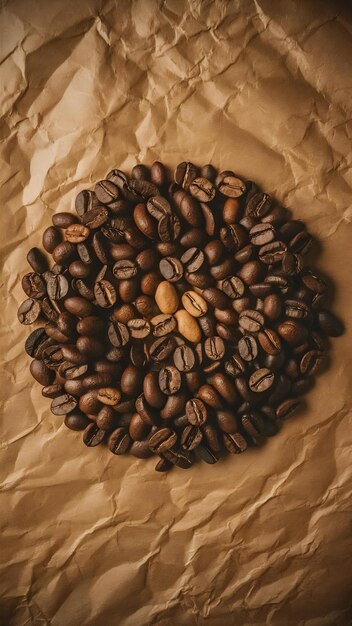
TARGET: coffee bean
(329,324)
(233,236)
(292,332)
(61,405)
(29,311)
(214,348)
(261,234)
(251,272)
(297,310)
(185,173)
(287,407)
(37,260)
(226,421)
(247,347)
(273,252)
(233,287)
(311,362)
(131,381)
(187,326)
(166,297)
(93,435)
(33,285)
(202,189)
(171,269)
(184,358)
(261,380)
(51,238)
(118,334)
(251,321)
(269,341)
(204,453)
(161,348)
(191,437)
(169,380)
(163,325)
(272,307)
(57,286)
(196,412)
(53,390)
(76,421)
(258,205)
(235,443)
(231,186)
(194,303)
(138,328)
(162,440)
(85,201)
(64,219)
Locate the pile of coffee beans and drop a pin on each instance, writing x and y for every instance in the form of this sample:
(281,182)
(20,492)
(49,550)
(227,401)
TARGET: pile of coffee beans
(181,319)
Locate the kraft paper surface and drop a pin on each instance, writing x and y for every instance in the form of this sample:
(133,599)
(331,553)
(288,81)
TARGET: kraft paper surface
(260,87)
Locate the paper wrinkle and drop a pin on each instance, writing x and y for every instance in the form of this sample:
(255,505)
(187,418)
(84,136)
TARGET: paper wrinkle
(265,89)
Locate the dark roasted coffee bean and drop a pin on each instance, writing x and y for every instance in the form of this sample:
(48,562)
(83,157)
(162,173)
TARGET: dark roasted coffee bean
(158,174)
(174,406)
(51,238)
(235,366)
(29,311)
(247,347)
(146,412)
(251,320)
(159,207)
(208,171)
(191,437)
(106,191)
(185,173)
(226,421)
(162,440)
(233,236)
(140,172)
(93,435)
(35,341)
(225,388)
(152,392)
(184,358)
(311,362)
(78,306)
(292,264)
(90,325)
(33,285)
(261,380)
(207,324)
(64,219)
(214,252)
(202,189)
(145,222)
(234,443)
(76,421)
(41,372)
(253,427)
(204,453)
(37,260)
(330,324)
(138,429)
(272,252)
(140,449)
(63,253)
(272,307)
(85,201)
(131,381)
(169,228)
(258,205)
(292,332)
(193,259)
(161,348)
(119,441)
(61,405)
(196,412)
(171,268)
(287,407)
(301,243)
(169,380)
(216,298)
(251,272)
(57,286)
(53,390)
(125,269)
(105,294)
(78,269)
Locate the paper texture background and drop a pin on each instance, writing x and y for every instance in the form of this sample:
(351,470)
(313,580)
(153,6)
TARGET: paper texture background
(261,87)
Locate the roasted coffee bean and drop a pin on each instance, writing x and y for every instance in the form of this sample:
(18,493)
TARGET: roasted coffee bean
(207,325)
(287,407)
(269,341)
(171,269)
(138,328)
(261,380)
(169,380)
(184,358)
(144,222)
(41,372)
(216,298)
(233,236)
(76,421)
(202,189)
(162,440)
(61,405)
(119,441)
(174,406)
(29,311)
(233,287)
(248,348)
(91,346)
(311,362)
(166,297)
(273,252)
(51,238)
(330,324)
(235,443)
(231,211)
(214,252)
(196,412)
(191,437)
(208,171)
(251,321)
(161,348)
(225,388)
(204,453)
(292,264)
(226,421)
(35,342)
(214,348)
(125,269)
(272,307)
(33,285)
(93,435)
(140,172)
(53,390)
(292,332)
(258,205)
(158,174)
(261,234)
(109,395)
(95,217)
(231,186)
(152,392)
(245,254)
(251,272)
(185,173)
(57,286)
(163,324)
(105,294)
(235,366)
(64,219)
(85,201)
(90,325)
(76,233)
(138,429)
(78,306)
(118,334)
(131,381)
(253,427)
(37,260)
(169,228)
(78,269)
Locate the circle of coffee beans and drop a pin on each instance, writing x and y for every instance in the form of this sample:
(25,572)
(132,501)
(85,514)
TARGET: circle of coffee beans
(178,319)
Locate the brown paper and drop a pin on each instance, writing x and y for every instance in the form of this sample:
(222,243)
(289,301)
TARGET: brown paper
(263,88)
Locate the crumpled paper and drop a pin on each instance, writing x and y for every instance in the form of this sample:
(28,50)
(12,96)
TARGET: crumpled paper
(261,87)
